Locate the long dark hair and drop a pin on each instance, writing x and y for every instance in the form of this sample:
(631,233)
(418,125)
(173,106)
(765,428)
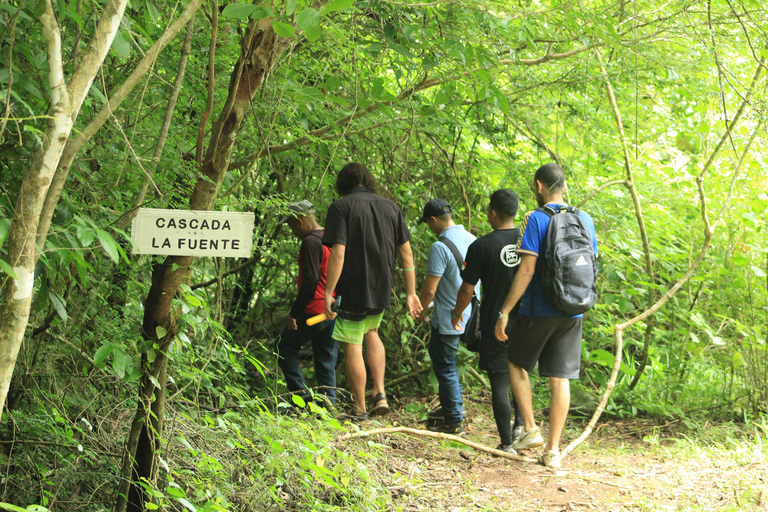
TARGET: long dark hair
(352,175)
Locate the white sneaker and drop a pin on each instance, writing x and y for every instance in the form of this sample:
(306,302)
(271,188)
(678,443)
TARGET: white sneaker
(517,432)
(530,439)
(550,459)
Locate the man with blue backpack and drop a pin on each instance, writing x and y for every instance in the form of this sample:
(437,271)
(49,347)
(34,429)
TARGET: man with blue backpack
(556,282)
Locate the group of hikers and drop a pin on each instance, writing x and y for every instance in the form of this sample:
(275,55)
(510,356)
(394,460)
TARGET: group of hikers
(535,281)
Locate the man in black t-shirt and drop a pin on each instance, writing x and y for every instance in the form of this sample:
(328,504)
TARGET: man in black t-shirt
(364,232)
(492,259)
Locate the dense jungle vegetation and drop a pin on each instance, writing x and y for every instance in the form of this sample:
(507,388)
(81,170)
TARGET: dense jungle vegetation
(145,382)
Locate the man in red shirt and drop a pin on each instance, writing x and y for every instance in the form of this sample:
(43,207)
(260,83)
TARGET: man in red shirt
(313,263)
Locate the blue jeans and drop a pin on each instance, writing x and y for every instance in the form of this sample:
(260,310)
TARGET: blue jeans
(324,351)
(443,349)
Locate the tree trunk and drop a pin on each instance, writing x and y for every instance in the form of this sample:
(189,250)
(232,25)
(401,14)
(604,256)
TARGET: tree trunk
(66,100)
(260,48)
(74,145)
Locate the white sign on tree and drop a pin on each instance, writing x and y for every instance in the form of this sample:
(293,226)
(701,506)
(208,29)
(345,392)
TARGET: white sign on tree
(192,233)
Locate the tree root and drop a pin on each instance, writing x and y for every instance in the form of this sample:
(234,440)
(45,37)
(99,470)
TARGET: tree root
(437,435)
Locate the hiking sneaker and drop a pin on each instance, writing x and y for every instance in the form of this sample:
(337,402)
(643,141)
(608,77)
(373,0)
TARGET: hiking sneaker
(517,432)
(530,439)
(550,459)
(448,428)
(506,448)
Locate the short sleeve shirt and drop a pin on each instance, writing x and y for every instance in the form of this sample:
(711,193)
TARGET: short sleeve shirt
(493,260)
(533,236)
(442,263)
(371,228)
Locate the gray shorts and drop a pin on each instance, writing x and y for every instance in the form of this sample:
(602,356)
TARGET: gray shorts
(552,341)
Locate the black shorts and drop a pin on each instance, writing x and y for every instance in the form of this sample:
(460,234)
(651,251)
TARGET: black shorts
(553,341)
(493,353)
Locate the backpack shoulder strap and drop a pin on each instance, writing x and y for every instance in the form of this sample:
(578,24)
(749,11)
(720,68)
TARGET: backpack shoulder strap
(551,212)
(455,250)
(573,210)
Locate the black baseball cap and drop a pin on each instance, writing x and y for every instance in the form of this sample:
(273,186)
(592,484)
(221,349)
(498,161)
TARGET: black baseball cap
(435,208)
(299,209)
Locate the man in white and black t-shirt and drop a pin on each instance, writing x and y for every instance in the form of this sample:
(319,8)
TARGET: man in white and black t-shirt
(492,259)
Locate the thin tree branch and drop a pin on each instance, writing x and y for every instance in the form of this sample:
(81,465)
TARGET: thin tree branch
(436,435)
(185,50)
(211,82)
(600,189)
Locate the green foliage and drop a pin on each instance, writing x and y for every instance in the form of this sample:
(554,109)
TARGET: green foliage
(447,102)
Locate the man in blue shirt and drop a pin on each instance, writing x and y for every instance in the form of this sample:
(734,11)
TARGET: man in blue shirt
(442,284)
(541,333)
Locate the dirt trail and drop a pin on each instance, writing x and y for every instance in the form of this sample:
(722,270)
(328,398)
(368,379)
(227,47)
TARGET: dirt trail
(614,471)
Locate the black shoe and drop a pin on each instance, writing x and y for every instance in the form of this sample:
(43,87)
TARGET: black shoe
(448,428)
(354,418)
(438,414)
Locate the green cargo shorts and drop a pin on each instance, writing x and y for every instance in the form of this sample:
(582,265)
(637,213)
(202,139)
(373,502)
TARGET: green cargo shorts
(352,331)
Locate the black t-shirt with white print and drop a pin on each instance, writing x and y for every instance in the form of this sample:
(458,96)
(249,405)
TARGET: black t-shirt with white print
(493,260)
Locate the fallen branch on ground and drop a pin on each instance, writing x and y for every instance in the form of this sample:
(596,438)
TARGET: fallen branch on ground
(437,435)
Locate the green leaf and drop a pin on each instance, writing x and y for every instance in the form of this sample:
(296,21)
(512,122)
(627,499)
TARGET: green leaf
(307,18)
(5,228)
(102,354)
(109,244)
(121,45)
(338,100)
(283,29)
(192,300)
(337,5)
(238,11)
(122,363)
(313,33)
(12,508)
(298,400)
(187,504)
(310,95)
(290,7)
(161,332)
(59,305)
(7,269)
(764,53)
(153,13)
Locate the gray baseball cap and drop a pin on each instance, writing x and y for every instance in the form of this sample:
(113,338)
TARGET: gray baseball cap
(299,209)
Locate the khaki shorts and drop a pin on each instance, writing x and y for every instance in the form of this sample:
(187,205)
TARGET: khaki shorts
(352,331)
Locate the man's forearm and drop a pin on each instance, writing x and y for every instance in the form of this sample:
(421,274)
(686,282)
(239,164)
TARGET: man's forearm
(516,291)
(409,270)
(335,265)
(463,298)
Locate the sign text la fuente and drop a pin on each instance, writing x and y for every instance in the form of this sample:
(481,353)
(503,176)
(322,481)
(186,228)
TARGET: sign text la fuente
(192,233)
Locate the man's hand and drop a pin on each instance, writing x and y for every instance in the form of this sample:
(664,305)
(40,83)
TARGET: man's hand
(501,326)
(291,324)
(329,314)
(414,305)
(456,322)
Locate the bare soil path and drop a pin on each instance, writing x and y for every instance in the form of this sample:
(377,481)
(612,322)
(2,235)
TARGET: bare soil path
(628,466)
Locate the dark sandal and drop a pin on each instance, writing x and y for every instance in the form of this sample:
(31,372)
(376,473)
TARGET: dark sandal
(380,406)
(354,418)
